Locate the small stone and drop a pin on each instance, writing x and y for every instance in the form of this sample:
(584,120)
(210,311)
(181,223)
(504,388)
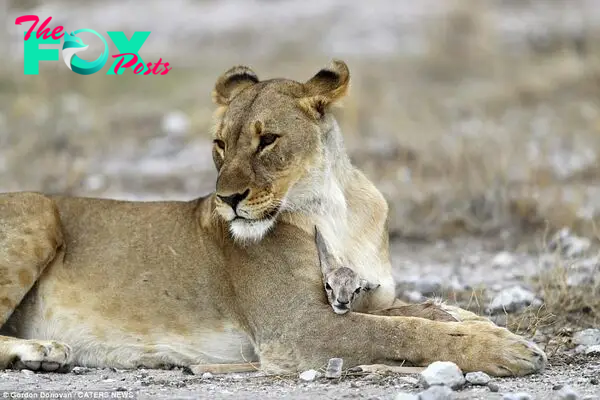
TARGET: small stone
(587,337)
(27,372)
(109,380)
(511,300)
(567,393)
(409,380)
(593,351)
(557,387)
(436,393)
(334,368)
(406,396)
(442,373)
(176,123)
(309,376)
(568,245)
(372,377)
(503,259)
(80,370)
(517,396)
(121,389)
(478,378)
(594,381)
(207,375)
(493,387)
(414,296)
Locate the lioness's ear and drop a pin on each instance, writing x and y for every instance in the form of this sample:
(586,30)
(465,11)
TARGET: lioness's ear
(231,83)
(326,87)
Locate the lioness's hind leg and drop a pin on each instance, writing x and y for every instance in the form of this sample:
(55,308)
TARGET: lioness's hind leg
(30,234)
(30,237)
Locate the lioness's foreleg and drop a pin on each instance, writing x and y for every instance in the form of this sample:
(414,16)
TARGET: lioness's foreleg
(309,341)
(30,239)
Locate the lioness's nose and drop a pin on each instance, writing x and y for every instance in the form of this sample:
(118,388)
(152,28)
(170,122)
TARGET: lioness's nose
(343,303)
(234,199)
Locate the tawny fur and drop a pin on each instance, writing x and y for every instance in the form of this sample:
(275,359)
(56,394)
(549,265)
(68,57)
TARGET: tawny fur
(127,284)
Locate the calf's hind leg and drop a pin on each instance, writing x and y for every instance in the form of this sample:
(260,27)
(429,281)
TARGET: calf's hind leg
(30,239)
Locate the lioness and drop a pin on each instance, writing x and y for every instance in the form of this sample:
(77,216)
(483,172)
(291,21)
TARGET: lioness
(122,284)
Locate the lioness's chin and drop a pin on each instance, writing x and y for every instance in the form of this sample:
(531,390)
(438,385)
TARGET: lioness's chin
(244,230)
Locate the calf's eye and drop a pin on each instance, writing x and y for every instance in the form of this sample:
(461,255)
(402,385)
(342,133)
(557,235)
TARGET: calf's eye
(357,291)
(327,286)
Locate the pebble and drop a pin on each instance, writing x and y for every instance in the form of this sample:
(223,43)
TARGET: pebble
(478,378)
(80,370)
(493,387)
(27,372)
(569,245)
(309,376)
(503,259)
(587,337)
(406,396)
(593,351)
(511,300)
(414,296)
(436,393)
(334,368)
(517,396)
(207,375)
(567,393)
(442,373)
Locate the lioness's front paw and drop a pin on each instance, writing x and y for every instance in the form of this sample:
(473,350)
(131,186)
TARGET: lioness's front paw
(41,355)
(507,354)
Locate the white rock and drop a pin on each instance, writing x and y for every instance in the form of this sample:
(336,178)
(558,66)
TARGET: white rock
(568,244)
(414,296)
(587,337)
(567,393)
(207,375)
(437,393)
(478,378)
(511,300)
(309,376)
(334,368)
(27,372)
(503,259)
(517,396)
(442,373)
(406,396)
(593,350)
(175,123)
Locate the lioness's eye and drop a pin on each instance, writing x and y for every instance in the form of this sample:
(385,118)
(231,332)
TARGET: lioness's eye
(357,291)
(267,139)
(327,286)
(220,144)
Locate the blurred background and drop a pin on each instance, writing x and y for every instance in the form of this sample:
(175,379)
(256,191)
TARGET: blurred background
(472,116)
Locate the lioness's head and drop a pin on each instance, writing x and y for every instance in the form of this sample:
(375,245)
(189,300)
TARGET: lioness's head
(270,145)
